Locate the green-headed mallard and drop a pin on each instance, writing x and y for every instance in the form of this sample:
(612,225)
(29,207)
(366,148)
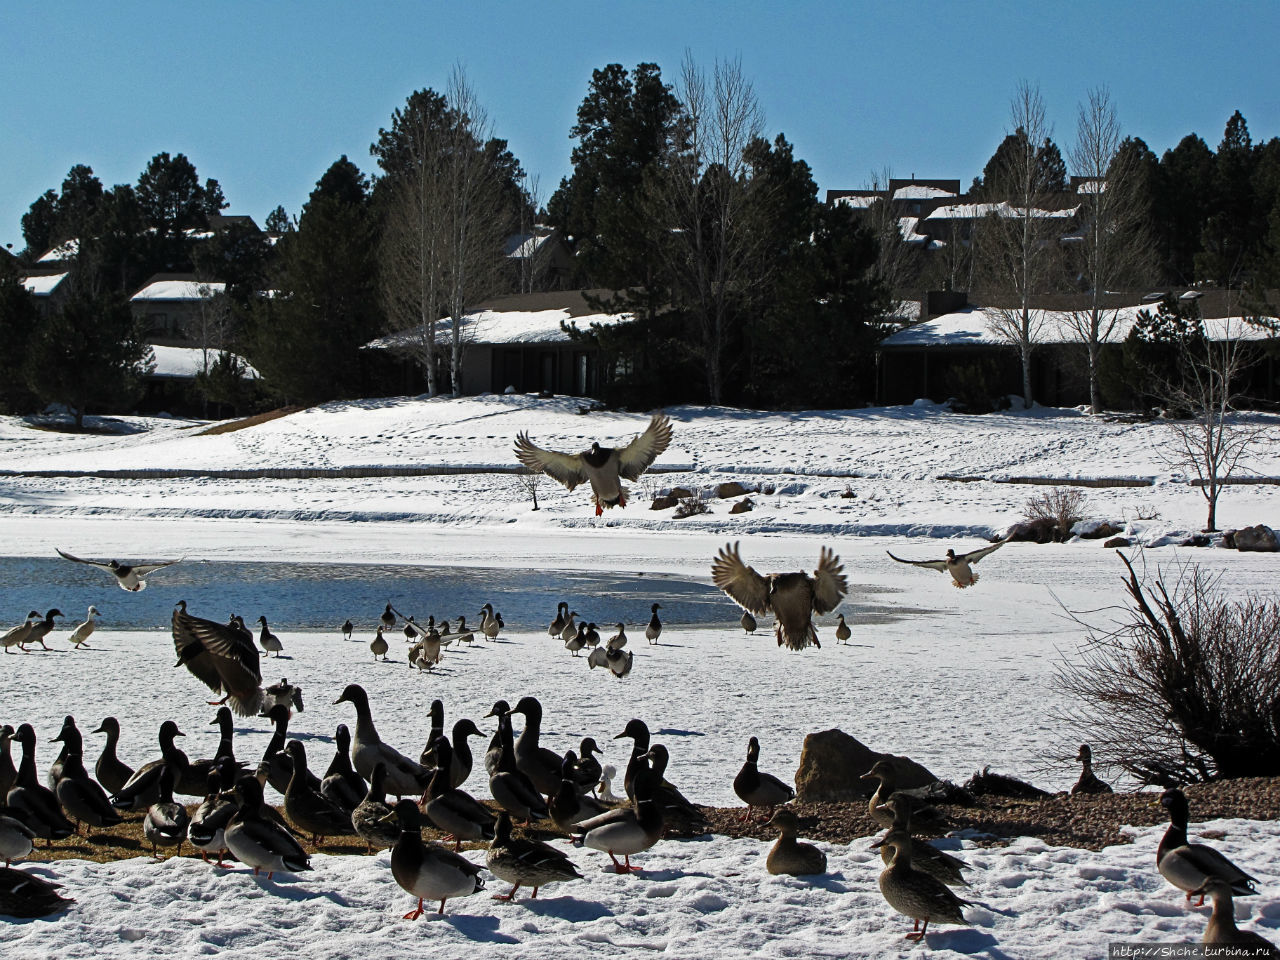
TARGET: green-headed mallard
(757,789)
(1188,865)
(341,783)
(31,801)
(129,577)
(258,841)
(82,798)
(165,824)
(306,807)
(452,810)
(654,629)
(567,806)
(627,830)
(960,567)
(523,861)
(793,598)
(112,772)
(428,871)
(207,829)
(511,789)
(540,765)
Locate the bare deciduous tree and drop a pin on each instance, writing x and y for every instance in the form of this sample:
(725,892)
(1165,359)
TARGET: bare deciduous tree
(897,262)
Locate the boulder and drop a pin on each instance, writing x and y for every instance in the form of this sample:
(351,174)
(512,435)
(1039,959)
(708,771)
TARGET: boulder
(832,764)
(1257,539)
(1197,540)
(1043,530)
(733,488)
(1104,529)
(679,493)
(1116,542)
(663,503)
(743,505)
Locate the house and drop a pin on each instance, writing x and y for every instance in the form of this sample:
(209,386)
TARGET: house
(170,386)
(517,343)
(179,309)
(48,286)
(538,259)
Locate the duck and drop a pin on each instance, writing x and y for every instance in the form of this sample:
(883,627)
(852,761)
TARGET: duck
(455,811)
(83,800)
(523,861)
(236,622)
(165,824)
(112,772)
(221,657)
(425,654)
(570,629)
(17,636)
(1222,929)
(494,751)
(71,742)
(8,772)
(681,818)
(436,712)
(757,789)
(567,806)
(1088,782)
(592,636)
(1188,865)
(80,635)
(916,894)
(924,856)
(748,622)
(627,830)
(41,629)
(341,783)
(556,625)
(403,775)
(886,771)
(960,567)
(489,622)
(307,808)
(207,828)
(260,842)
(462,759)
(288,695)
(789,855)
(279,768)
(598,657)
(269,641)
(24,895)
(792,598)
(129,577)
(540,765)
(603,467)
(348,628)
(411,630)
(654,630)
(31,801)
(587,771)
(428,871)
(619,661)
(843,633)
(196,779)
(388,618)
(618,640)
(578,640)
(511,789)
(637,731)
(16,839)
(143,788)
(604,789)
(371,816)
(378,646)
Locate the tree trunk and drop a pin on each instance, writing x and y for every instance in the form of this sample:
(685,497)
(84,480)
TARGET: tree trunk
(1095,389)
(1026,375)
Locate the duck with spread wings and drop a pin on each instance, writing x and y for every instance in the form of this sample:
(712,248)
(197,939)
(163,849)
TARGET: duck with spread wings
(221,657)
(793,598)
(960,567)
(131,577)
(603,467)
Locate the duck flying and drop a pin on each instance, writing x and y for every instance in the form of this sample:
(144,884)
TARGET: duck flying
(129,577)
(221,657)
(603,467)
(960,567)
(793,598)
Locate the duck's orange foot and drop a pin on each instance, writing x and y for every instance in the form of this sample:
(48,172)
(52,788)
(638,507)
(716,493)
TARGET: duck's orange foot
(415,914)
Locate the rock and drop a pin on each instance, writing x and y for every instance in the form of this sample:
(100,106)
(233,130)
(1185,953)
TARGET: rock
(743,506)
(1228,541)
(1104,529)
(1197,540)
(832,764)
(1115,542)
(733,488)
(679,493)
(663,503)
(848,493)
(1043,530)
(1257,539)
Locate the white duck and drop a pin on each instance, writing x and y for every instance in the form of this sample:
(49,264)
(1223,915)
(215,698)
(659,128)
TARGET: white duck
(82,633)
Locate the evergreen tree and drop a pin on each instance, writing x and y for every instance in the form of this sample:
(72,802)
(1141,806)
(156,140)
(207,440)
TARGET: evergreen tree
(998,181)
(18,320)
(1232,228)
(1183,202)
(172,202)
(39,225)
(278,222)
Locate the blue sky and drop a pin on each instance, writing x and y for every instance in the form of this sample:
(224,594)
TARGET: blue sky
(264,96)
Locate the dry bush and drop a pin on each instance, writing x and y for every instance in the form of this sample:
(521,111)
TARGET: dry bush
(527,483)
(690,506)
(1063,506)
(1187,688)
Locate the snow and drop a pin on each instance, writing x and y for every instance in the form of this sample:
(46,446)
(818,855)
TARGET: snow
(976,211)
(859,201)
(185,362)
(45,285)
(179,290)
(521,246)
(506,326)
(957,679)
(917,191)
(66,250)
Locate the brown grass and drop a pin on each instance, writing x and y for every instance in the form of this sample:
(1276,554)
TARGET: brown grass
(232,425)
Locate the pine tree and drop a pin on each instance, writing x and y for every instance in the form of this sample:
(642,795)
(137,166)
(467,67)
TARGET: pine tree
(18,320)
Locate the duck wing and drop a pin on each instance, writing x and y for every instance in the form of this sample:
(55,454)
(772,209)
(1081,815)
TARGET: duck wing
(566,468)
(973,556)
(638,455)
(104,564)
(931,564)
(744,586)
(829,583)
(220,657)
(142,569)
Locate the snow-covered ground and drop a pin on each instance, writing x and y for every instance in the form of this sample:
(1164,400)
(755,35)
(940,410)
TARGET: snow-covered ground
(958,680)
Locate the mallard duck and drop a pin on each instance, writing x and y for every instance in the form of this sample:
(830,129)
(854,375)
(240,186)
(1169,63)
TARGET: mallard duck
(603,467)
(308,809)
(680,817)
(388,618)
(490,623)
(207,829)
(915,894)
(403,775)
(494,751)
(570,628)
(619,661)
(112,772)
(464,634)
(587,771)
(884,770)
(925,857)
(16,838)
(556,625)
(411,630)
(637,731)
(436,712)
(129,577)
(258,841)
(278,766)
(81,797)
(371,815)
(378,646)
(195,781)
(1222,928)
(618,640)
(540,765)
(428,871)
(579,640)
(789,855)
(843,633)
(511,789)
(71,742)
(567,806)
(31,801)
(143,788)
(165,824)
(348,628)
(221,657)
(288,695)
(24,895)
(1188,865)
(41,629)
(654,630)
(462,759)
(748,622)
(17,636)
(523,861)
(341,783)
(598,657)
(793,598)
(80,635)
(1088,782)
(455,811)
(960,567)
(627,830)
(757,789)
(8,772)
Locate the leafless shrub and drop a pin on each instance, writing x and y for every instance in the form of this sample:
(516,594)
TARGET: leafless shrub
(1144,511)
(1186,688)
(1064,506)
(528,481)
(691,506)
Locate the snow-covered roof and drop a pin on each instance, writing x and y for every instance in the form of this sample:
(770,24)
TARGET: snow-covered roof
(1091,186)
(859,201)
(970,327)
(506,326)
(183,363)
(179,290)
(43,286)
(521,246)
(918,191)
(63,251)
(975,211)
